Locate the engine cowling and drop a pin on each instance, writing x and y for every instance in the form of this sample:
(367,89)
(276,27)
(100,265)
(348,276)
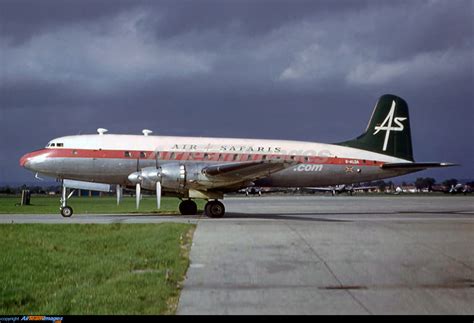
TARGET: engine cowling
(171,176)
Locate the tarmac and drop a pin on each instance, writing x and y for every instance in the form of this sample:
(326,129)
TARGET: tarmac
(402,254)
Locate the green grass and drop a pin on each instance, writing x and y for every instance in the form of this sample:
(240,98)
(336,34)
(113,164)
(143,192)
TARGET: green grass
(91,205)
(92,268)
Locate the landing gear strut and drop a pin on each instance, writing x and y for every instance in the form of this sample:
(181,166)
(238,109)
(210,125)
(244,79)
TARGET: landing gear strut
(66,211)
(214,209)
(188,207)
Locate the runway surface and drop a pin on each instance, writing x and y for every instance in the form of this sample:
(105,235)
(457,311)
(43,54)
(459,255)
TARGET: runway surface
(324,255)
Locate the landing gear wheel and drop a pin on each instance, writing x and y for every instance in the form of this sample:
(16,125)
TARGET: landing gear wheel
(66,211)
(214,209)
(188,207)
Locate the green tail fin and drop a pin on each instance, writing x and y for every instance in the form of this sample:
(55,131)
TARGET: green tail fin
(388,131)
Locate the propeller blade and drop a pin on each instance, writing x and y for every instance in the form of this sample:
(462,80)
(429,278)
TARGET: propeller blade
(119,193)
(158,195)
(138,195)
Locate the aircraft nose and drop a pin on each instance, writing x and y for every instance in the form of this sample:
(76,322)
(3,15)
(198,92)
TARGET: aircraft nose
(26,160)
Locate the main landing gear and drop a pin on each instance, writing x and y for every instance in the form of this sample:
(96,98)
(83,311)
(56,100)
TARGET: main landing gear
(213,209)
(188,207)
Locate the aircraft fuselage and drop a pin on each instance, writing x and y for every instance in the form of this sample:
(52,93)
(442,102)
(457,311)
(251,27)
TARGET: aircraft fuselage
(111,158)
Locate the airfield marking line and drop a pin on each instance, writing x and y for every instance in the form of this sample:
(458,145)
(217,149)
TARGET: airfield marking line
(327,267)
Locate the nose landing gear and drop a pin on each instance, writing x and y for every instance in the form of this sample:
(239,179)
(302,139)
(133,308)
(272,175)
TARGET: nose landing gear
(66,211)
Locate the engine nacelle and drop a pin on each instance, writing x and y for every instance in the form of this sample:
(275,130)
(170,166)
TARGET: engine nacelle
(171,176)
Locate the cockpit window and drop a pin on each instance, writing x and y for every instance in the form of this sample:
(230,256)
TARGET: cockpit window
(59,144)
(53,145)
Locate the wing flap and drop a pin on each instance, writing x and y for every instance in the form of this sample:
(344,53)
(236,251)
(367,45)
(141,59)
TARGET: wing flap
(247,170)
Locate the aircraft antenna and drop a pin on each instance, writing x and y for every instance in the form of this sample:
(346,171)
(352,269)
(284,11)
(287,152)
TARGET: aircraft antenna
(101,131)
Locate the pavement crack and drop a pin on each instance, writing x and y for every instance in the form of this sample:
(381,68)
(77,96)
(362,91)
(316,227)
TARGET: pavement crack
(315,253)
(429,247)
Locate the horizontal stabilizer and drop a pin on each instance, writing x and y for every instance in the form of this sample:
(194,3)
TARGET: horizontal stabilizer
(415,166)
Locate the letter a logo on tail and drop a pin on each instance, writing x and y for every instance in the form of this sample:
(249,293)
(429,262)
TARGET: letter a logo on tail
(387,125)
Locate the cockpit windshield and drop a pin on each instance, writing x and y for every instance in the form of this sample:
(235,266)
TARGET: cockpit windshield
(54,144)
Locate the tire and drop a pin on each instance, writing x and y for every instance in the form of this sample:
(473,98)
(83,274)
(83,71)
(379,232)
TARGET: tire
(66,211)
(214,209)
(188,207)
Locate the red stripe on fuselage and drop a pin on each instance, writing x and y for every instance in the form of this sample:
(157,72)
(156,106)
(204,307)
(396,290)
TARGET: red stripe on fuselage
(196,156)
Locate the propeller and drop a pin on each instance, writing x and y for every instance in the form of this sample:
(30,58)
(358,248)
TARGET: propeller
(138,189)
(158,195)
(119,193)
(158,183)
(145,176)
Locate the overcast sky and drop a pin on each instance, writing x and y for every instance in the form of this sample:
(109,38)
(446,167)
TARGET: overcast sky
(302,70)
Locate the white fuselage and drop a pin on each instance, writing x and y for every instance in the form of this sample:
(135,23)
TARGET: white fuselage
(110,158)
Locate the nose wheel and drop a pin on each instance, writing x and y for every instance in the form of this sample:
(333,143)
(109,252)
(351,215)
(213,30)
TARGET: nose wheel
(66,211)
(214,209)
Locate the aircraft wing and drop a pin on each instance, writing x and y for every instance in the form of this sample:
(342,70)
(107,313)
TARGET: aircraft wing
(415,166)
(247,171)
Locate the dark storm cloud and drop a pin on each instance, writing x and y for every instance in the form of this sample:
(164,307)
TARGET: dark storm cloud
(308,70)
(22,19)
(247,16)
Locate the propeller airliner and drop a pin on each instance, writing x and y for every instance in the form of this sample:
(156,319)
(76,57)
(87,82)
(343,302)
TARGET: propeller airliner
(206,168)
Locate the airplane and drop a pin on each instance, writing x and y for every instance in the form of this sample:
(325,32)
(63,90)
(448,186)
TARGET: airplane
(206,168)
(252,191)
(343,188)
(458,189)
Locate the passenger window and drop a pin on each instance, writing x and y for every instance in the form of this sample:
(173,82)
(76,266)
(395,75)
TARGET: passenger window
(306,158)
(172,155)
(264,157)
(206,156)
(249,157)
(235,157)
(142,154)
(127,154)
(220,157)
